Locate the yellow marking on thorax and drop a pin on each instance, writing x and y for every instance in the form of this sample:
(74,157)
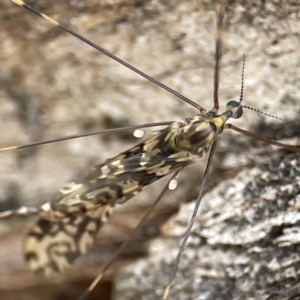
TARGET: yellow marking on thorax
(219,121)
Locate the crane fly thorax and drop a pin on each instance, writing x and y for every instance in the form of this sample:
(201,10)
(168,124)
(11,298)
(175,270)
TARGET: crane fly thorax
(198,133)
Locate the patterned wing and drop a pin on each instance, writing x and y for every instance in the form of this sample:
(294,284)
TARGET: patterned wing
(54,243)
(68,226)
(120,178)
(114,182)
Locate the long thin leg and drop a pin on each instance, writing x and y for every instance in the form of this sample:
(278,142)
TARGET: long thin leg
(218,57)
(89,290)
(262,138)
(191,223)
(75,136)
(98,48)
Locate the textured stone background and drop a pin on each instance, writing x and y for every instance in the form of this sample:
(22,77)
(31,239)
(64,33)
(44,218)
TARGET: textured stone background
(53,85)
(245,243)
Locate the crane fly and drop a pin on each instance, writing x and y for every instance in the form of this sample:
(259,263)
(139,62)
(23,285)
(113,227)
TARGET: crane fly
(67,226)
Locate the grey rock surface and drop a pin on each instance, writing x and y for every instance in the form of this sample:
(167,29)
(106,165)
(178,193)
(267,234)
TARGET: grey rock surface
(244,245)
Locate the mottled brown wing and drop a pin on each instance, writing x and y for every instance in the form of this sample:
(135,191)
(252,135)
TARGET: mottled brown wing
(69,226)
(53,244)
(114,182)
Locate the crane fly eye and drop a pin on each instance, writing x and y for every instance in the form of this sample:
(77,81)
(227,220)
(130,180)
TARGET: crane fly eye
(236,108)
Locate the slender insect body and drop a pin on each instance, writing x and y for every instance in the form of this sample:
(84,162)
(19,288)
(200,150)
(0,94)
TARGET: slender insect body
(114,182)
(68,226)
(117,179)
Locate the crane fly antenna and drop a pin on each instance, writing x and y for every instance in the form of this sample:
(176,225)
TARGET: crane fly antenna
(242,83)
(242,96)
(263,113)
